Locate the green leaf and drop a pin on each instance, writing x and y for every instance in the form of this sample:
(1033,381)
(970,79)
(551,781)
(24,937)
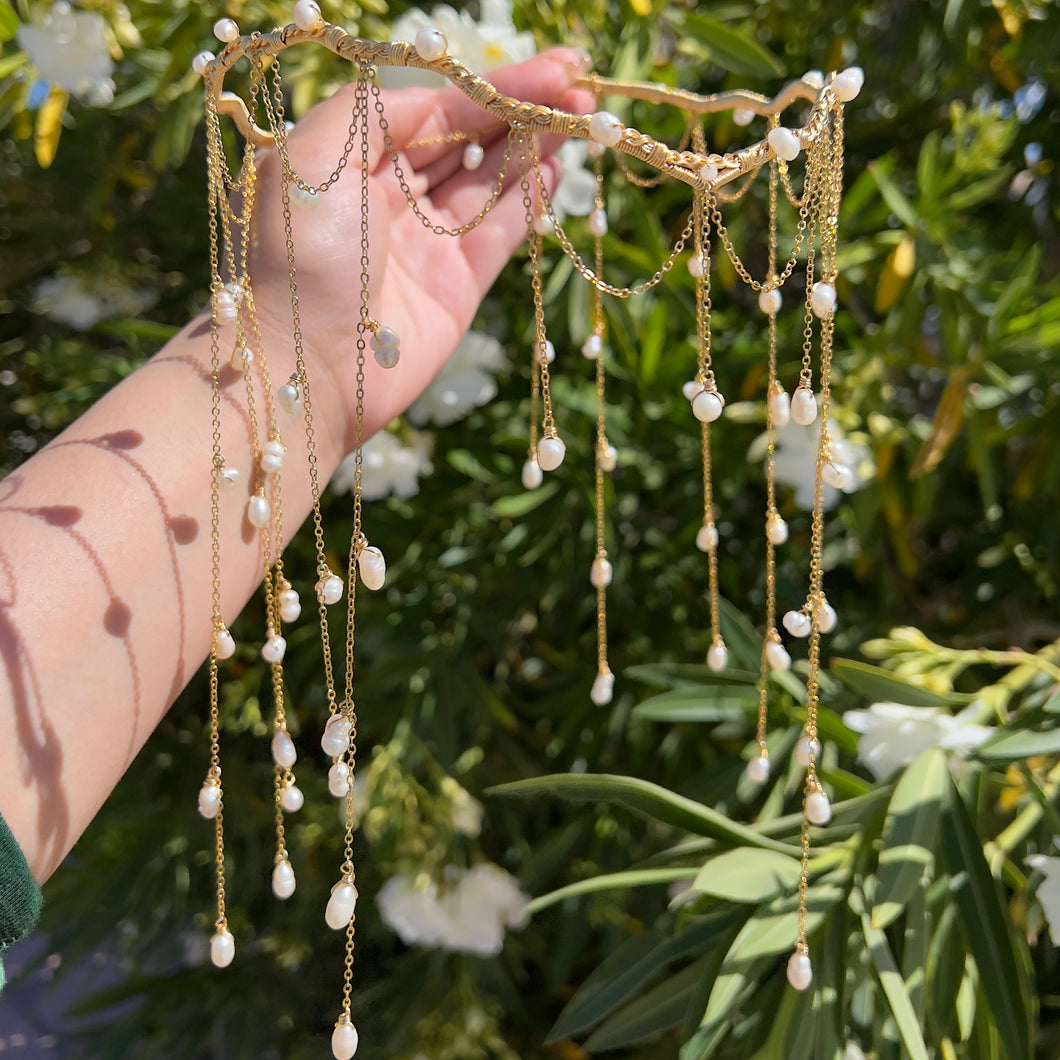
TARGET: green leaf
(945,967)
(793,1030)
(700,705)
(734,51)
(680,675)
(9,22)
(1017,744)
(899,205)
(644,798)
(987,932)
(612,881)
(516,505)
(879,685)
(909,835)
(748,875)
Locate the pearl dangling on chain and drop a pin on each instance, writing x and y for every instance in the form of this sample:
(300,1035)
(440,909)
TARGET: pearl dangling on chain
(335,741)
(603,688)
(344,1040)
(592,347)
(550,452)
(259,511)
(210,798)
(308,197)
(224,645)
(818,808)
(329,588)
(371,566)
(776,529)
(228,477)
(718,657)
(242,359)
(797,623)
(274,648)
(608,458)
(770,301)
(290,604)
(289,397)
(800,971)
(707,538)
(803,406)
(222,948)
(839,476)
(283,881)
(283,750)
(386,346)
(822,299)
(848,83)
(601,573)
(473,156)
(272,454)
(341,904)
(758,769)
(779,407)
(708,405)
(339,780)
(777,656)
(826,617)
(545,352)
(598,222)
(292,799)
(532,476)
(807,751)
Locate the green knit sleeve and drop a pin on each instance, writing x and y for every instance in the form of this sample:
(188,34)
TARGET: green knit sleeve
(20,897)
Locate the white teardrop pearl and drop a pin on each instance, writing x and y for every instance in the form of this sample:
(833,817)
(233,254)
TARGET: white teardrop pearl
(777,656)
(307,15)
(822,299)
(371,566)
(785,143)
(593,347)
(210,799)
(848,83)
(839,476)
(473,156)
(807,750)
(743,116)
(385,344)
(708,173)
(290,605)
(201,61)
(543,225)
(826,618)
(272,454)
(339,780)
(797,623)
(779,408)
(707,406)
(758,769)
(608,458)
(532,475)
(341,905)
(259,511)
(603,688)
(335,741)
(274,648)
(691,388)
(803,406)
(818,808)
(606,128)
(770,302)
(329,589)
(800,971)
(697,266)
(292,799)
(226,30)
(308,197)
(431,43)
(707,538)
(289,399)
(776,530)
(718,657)
(598,222)
(550,453)
(283,752)
(222,949)
(283,881)
(241,359)
(344,1041)
(224,644)
(228,477)
(546,352)
(601,573)
(225,305)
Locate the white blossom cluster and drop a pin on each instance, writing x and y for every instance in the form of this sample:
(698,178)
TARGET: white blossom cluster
(81,302)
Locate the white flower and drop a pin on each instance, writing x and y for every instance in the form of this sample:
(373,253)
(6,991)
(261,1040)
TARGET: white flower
(893,734)
(467,811)
(1048,893)
(388,468)
(795,460)
(470,914)
(576,192)
(481,46)
(81,302)
(463,384)
(70,50)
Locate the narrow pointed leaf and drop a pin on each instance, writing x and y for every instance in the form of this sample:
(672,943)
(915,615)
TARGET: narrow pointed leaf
(705,704)
(881,685)
(748,875)
(610,882)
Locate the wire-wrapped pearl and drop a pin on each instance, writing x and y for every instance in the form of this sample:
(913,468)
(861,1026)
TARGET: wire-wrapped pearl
(800,971)
(550,453)
(226,30)
(785,143)
(603,688)
(803,406)
(222,948)
(770,302)
(335,741)
(329,589)
(757,769)
(210,799)
(307,16)
(201,61)
(707,538)
(473,156)
(797,623)
(283,750)
(848,83)
(779,407)
(606,128)
(818,808)
(431,44)
(344,1040)
(717,657)
(292,799)
(339,780)
(708,405)
(371,566)
(283,881)
(341,905)
(224,645)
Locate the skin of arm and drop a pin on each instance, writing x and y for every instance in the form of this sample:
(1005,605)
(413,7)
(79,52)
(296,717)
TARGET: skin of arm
(105,570)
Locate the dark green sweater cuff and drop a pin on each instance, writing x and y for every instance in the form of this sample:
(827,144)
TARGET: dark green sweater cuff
(20,897)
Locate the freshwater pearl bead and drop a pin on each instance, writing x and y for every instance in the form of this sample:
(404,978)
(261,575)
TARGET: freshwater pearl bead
(707,406)
(283,881)
(546,352)
(308,197)
(235,289)
(818,808)
(797,623)
(785,143)
(292,799)
(242,358)
(603,688)
(201,61)
(598,222)
(743,116)
(543,225)
(779,408)
(274,648)
(707,538)
(601,573)
(814,78)
(224,644)
(283,752)
(593,347)
(473,156)
(697,266)
(228,477)
(718,657)
(227,310)
(848,83)
(691,388)
(822,299)
(336,739)
(777,656)
(344,1041)
(341,905)
(339,780)
(210,799)
(807,750)
(222,948)
(550,453)
(386,346)
(259,511)
(532,475)
(606,128)
(776,530)
(272,454)
(290,605)
(838,475)
(307,15)
(371,566)
(431,43)
(803,406)
(758,769)
(608,458)
(826,617)
(770,301)
(289,398)
(708,173)
(329,589)
(800,971)
(226,30)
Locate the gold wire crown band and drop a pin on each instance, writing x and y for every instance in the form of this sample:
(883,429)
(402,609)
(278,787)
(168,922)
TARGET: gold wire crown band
(683,165)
